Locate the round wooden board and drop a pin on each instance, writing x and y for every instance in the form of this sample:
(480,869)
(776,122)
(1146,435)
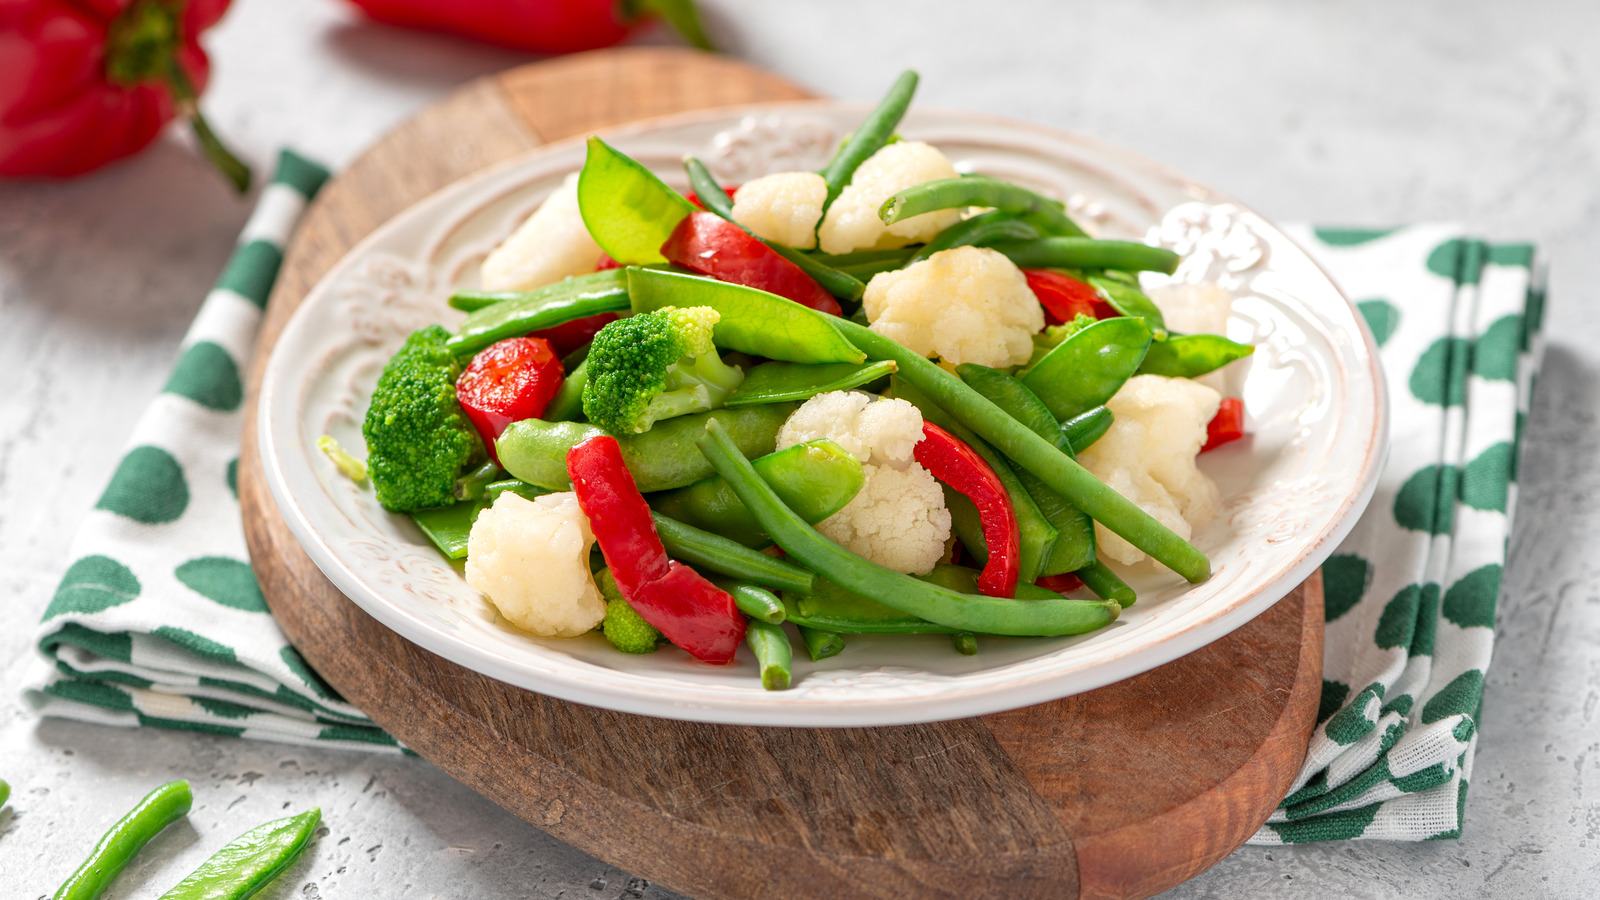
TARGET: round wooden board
(1122,792)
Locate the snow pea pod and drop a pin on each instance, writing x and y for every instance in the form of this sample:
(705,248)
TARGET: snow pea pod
(5,793)
(1088,368)
(833,608)
(816,479)
(241,869)
(979,190)
(160,808)
(1106,584)
(869,137)
(1122,291)
(660,459)
(1083,429)
(449,527)
(1192,355)
(627,209)
(776,382)
(752,321)
(1088,253)
(716,553)
(820,643)
(547,307)
(567,404)
(770,644)
(979,231)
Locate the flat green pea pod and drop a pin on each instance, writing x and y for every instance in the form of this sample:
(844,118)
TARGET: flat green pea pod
(1083,429)
(1192,355)
(751,320)
(5,793)
(979,231)
(1016,398)
(547,307)
(1088,368)
(567,404)
(663,458)
(449,527)
(777,382)
(1088,253)
(251,862)
(869,137)
(629,212)
(979,190)
(816,479)
(820,643)
(1122,291)
(830,607)
(160,808)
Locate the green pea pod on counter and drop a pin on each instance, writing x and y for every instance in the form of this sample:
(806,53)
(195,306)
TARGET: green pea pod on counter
(979,231)
(1088,253)
(627,209)
(160,808)
(751,321)
(1088,368)
(816,479)
(979,190)
(776,382)
(547,307)
(869,137)
(1122,291)
(830,607)
(241,869)
(1083,429)
(1192,355)
(663,458)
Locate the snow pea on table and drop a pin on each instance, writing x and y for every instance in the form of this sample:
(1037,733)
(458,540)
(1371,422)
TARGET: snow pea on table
(1086,369)
(160,808)
(241,869)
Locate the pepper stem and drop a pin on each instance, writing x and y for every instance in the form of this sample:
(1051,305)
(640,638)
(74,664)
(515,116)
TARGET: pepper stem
(231,167)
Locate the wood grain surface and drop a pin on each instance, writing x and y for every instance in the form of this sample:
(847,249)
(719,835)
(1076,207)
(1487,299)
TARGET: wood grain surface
(1118,793)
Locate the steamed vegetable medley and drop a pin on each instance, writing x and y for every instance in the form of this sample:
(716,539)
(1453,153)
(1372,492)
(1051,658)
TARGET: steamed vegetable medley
(886,397)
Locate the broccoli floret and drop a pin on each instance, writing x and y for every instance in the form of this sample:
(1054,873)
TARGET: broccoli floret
(623,626)
(418,438)
(654,366)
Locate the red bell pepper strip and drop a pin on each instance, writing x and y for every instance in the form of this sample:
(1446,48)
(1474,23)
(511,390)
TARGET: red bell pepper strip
(694,198)
(84,84)
(1064,298)
(1061,584)
(569,336)
(691,611)
(711,245)
(542,26)
(1227,425)
(958,465)
(507,382)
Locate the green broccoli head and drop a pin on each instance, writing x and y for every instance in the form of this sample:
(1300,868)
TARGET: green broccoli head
(418,439)
(654,366)
(623,626)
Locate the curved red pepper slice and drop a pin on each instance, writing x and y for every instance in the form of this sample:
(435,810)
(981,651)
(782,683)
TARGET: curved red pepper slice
(711,245)
(691,611)
(1061,584)
(958,465)
(1064,298)
(1227,425)
(507,382)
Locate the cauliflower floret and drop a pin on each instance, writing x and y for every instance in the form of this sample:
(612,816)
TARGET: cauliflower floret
(1196,309)
(531,559)
(964,305)
(551,245)
(898,519)
(1149,453)
(852,222)
(784,207)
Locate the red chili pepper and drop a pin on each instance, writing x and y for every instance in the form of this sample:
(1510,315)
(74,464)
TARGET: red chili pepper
(569,336)
(606,262)
(1061,584)
(959,466)
(1064,298)
(84,84)
(711,245)
(691,611)
(511,380)
(1227,425)
(542,26)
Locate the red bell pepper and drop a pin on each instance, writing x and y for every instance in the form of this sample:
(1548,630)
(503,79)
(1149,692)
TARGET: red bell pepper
(1061,584)
(569,336)
(1227,425)
(509,381)
(83,84)
(540,26)
(1064,298)
(958,465)
(691,611)
(711,245)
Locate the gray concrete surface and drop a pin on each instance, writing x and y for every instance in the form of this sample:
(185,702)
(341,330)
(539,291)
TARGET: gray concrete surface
(1363,112)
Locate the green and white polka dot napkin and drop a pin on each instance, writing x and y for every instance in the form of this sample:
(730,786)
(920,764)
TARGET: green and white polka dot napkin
(1411,593)
(159,621)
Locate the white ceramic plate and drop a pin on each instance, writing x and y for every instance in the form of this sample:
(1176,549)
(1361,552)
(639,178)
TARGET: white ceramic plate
(1290,492)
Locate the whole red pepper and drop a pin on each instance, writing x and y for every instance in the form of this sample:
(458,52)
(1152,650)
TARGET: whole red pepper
(507,382)
(958,465)
(540,26)
(1227,425)
(691,611)
(1064,298)
(711,245)
(85,83)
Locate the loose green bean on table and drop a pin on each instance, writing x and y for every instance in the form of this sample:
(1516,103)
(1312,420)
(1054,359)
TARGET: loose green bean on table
(251,862)
(160,808)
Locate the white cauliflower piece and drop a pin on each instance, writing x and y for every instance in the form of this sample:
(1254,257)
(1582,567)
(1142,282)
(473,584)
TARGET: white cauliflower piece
(550,245)
(783,208)
(852,222)
(964,305)
(898,519)
(531,559)
(1149,453)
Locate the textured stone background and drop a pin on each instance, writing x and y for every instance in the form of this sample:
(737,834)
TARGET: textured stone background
(1363,112)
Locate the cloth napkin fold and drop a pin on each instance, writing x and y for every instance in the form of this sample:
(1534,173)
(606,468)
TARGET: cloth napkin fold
(159,621)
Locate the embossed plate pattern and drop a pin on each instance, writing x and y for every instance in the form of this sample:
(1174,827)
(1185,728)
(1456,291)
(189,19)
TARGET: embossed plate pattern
(1290,491)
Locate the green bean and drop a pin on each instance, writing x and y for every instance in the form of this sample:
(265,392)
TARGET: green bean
(942,606)
(1075,541)
(832,608)
(1083,429)
(776,382)
(820,644)
(5,793)
(979,231)
(753,600)
(470,486)
(978,190)
(1088,368)
(1122,291)
(896,256)
(160,808)
(770,644)
(703,549)
(965,642)
(1088,253)
(751,320)
(816,479)
(567,404)
(1015,399)
(241,869)
(1029,451)
(1192,355)
(869,137)
(557,304)
(472,301)
(1106,585)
